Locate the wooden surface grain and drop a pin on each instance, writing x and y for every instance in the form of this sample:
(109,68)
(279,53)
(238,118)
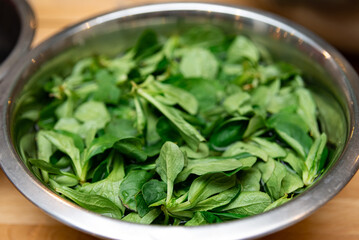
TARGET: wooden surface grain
(20,219)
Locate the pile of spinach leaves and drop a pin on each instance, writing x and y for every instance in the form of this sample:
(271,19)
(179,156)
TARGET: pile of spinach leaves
(190,129)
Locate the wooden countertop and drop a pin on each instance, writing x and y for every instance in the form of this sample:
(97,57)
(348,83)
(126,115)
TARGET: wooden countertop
(20,219)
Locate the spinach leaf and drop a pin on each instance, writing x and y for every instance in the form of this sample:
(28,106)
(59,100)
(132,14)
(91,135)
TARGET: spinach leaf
(191,136)
(44,151)
(131,186)
(154,191)
(233,102)
(213,164)
(68,125)
(218,200)
(147,219)
(314,158)
(211,218)
(131,147)
(250,180)
(290,128)
(307,110)
(228,132)
(141,118)
(248,203)
(95,203)
(295,162)
(242,48)
(202,151)
(66,145)
(167,131)
(198,219)
(204,187)
(199,62)
(273,174)
(183,98)
(277,203)
(109,187)
(169,164)
(121,128)
(95,112)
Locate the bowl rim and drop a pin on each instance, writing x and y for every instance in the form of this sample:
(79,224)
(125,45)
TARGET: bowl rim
(255,226)
(26,35)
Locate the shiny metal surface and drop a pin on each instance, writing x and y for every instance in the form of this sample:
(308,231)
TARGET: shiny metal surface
(18,25)
(330,75)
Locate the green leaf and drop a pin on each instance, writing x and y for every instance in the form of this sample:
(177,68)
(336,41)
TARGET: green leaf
(67,124)
(273,174)
(295,162)
(66,145)
(211,218)
(218,200)
(273,149)
(64,180)
(233,102)
(107,91)
(141,118)
(249,203)
(109,187)
(206,92)
(277,203)
(208,185)
(154,191)
(131,147)
(290,183)
(202,152)
(191,136)
(228,132)
(198,219)
(66,109)
(243,147)
(49,168)
(242,48)
(142,206)
(307,110)
(250,180)
(183,98)
(199,62)
(131,186)
(256,123)
(229,216)
(290,128)
(167,131)
(313,159)
(95,203)
(216,164)
(94,112)
(44,151)
(121,128)
(97,146)
(147,219)
(204,187)
(169,164)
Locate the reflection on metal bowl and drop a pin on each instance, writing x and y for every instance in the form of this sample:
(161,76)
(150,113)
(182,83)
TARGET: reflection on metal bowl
(17,28)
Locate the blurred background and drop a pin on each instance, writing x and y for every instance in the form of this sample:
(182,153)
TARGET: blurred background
(337,21)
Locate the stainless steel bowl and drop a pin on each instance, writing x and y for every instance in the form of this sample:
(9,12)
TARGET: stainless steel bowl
(328,73)
(17,28)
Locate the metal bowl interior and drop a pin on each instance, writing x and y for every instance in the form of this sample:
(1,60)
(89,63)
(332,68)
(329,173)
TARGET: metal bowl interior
(17,28)
(327,73)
